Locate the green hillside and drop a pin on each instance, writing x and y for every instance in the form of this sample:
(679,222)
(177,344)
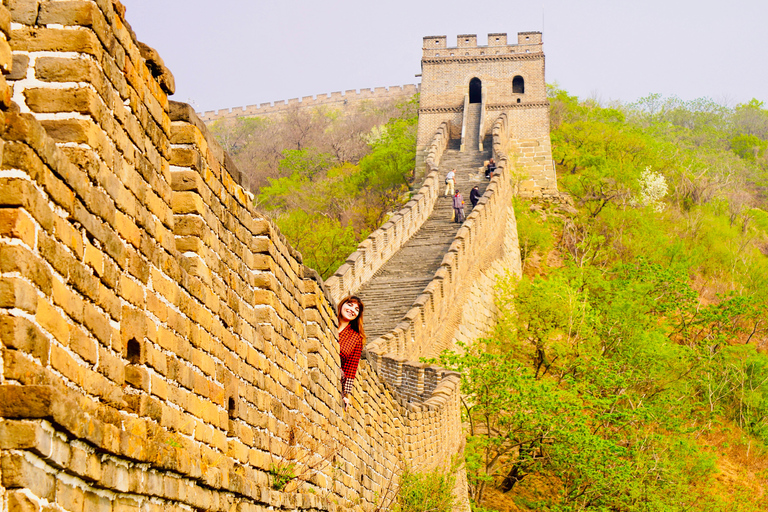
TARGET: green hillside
(628,371)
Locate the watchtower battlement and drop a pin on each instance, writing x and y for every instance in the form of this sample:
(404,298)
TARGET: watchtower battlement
(436,47)
(480,83)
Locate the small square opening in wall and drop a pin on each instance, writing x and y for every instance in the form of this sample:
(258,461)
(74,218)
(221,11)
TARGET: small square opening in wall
(133,351)
(437,42)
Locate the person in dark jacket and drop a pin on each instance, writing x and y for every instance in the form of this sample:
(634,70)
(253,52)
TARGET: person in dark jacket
(474,196)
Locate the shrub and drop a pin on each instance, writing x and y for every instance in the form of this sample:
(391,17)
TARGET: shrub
(421,492)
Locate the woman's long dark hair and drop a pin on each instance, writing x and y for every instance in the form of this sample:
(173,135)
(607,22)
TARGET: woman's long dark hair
(357,323)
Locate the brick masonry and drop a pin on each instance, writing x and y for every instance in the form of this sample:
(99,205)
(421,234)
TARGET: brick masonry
(163,347)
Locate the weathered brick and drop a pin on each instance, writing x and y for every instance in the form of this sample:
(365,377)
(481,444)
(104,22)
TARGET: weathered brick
(20,192)
(17,293)
(132,291)
(88,466)
(23,11)
(5,21)
(69,497)
(21,334)
(186,203)
(17,223)
(109,302)
(95,503)
(26,402)
(67,300)
(15,258)
(69,235)
(24,157)
(111,366)
(6,57)
(83,281)
(67,13)
(63,362)
(98,324)
(6,94)
(64,69)
(20,502)
(94,258)
(137,377)
(53,321)
(56,254)
(84,345)
(36,39)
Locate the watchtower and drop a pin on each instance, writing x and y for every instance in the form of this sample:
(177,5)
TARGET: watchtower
(486,81)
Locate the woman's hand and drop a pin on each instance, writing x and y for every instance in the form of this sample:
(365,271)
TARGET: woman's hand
(345,399)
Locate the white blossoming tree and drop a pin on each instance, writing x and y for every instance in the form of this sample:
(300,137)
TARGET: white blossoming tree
(653,188)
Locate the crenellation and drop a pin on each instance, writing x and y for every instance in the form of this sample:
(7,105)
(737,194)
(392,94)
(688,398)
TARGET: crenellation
(466,41)
(497,39)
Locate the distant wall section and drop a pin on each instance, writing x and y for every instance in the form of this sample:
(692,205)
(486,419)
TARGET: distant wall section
(350,101)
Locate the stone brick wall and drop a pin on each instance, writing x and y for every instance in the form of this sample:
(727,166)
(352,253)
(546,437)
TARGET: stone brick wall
(350,101)
(163,347)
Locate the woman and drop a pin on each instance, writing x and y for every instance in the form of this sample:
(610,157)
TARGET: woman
(351,341)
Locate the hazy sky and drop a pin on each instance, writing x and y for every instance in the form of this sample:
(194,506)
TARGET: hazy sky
(230,53)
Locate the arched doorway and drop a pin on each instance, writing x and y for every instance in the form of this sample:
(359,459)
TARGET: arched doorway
(518,85)
(475,91)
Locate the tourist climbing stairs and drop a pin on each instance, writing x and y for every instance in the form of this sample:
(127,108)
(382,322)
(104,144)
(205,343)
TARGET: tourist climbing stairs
(391,292)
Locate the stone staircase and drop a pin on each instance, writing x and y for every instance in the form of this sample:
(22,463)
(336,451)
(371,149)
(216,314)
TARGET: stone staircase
(473,125)
(391,292)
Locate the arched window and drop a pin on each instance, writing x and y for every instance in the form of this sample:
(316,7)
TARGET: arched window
(518,85)
(475,90)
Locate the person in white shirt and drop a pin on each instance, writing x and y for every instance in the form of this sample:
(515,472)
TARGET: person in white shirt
(450,182)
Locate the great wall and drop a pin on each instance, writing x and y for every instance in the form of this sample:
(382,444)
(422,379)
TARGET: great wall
(163,346)
(349,101)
